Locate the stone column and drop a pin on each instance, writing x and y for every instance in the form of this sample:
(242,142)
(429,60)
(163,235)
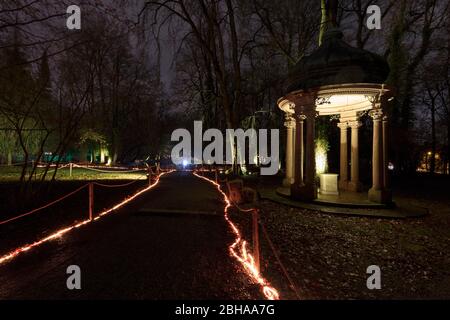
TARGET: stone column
(290,150)
(354,184)
(343,171)
(310,159)
(304,187)
(299,152)
(376,192)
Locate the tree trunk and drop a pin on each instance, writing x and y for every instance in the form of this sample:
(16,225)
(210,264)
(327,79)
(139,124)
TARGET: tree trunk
(9,158)
(323,21)
(447,167)
(433,139)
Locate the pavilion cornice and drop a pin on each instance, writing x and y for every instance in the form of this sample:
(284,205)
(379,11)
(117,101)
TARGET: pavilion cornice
(369,93)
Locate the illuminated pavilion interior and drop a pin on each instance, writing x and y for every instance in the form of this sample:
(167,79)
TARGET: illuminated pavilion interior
(346,82)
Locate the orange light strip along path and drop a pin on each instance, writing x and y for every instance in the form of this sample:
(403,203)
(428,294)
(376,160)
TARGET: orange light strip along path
(238,250)
(9,256)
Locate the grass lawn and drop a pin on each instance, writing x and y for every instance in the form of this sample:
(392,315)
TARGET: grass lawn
(11,174)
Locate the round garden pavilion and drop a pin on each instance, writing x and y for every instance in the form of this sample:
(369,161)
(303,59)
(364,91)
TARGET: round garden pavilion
(336,79)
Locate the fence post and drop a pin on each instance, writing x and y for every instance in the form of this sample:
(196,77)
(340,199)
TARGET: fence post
(216,175)
(91,200)
(150,175)
(70,169)
(33,168)
(256,238)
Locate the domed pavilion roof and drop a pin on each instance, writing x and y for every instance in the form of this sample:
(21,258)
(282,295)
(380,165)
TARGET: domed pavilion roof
(334,63)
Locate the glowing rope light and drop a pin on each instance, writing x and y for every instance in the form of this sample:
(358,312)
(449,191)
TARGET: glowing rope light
(63,231)
(245,258)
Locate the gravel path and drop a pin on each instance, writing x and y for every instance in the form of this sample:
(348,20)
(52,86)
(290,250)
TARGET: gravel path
(327,255)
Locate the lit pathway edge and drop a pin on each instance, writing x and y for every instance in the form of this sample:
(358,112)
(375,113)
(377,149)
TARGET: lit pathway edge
(9,256)
(243,257)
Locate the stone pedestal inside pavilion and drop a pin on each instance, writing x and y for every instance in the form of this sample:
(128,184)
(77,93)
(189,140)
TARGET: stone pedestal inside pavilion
(328,184)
